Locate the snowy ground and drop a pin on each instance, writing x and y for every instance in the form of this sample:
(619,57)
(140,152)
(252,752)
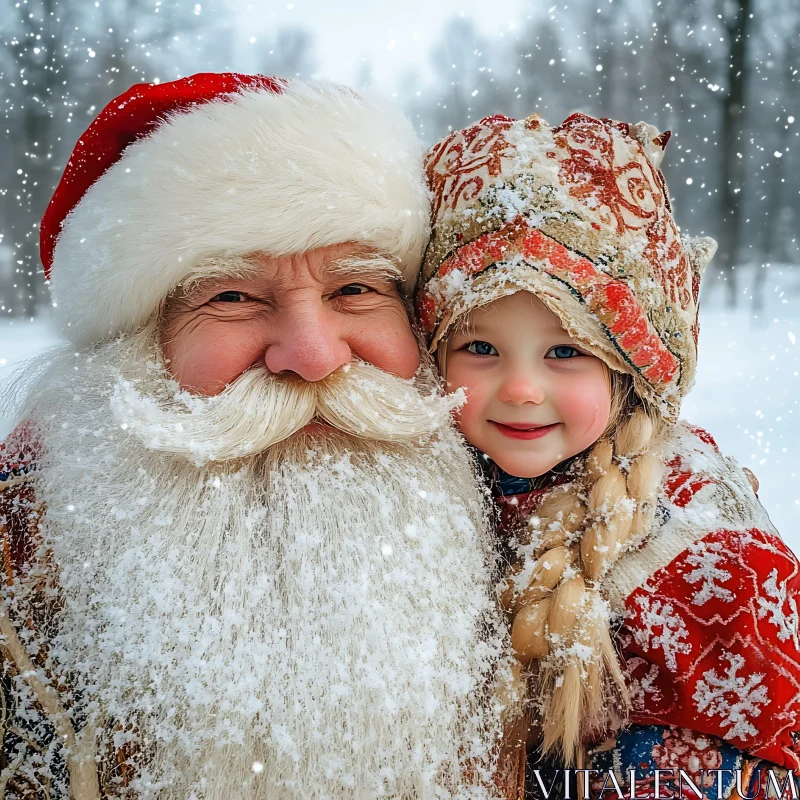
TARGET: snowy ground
(746,393)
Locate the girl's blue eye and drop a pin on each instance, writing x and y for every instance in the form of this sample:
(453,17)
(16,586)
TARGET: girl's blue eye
(228,297)
(565,351)
(481,349)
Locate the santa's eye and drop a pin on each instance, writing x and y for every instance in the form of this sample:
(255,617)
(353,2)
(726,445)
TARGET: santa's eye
(481,349)
(564,351)
(229,297)
(354,289)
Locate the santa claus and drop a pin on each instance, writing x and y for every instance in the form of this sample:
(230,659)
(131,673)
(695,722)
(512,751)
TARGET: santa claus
(244,552)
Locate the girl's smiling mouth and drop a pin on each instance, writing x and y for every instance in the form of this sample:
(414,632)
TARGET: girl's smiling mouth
(522,430)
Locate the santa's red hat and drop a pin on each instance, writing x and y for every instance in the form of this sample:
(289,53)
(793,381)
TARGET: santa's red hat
(171,175)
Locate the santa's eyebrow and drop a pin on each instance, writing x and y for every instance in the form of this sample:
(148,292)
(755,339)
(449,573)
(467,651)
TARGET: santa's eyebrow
(365,266)
(217,270)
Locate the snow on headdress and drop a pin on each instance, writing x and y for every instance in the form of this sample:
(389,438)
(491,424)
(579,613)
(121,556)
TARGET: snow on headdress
(579,215)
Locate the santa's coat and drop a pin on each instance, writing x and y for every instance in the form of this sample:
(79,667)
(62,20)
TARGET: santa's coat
(48,750)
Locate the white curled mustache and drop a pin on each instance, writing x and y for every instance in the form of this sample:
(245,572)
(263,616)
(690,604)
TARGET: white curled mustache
(260,409)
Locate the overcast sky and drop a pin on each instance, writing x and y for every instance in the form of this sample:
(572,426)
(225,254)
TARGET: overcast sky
(394,35)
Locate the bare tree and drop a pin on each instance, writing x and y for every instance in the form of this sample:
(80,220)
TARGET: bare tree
(540,70)
(784,37)
(736,16)
(468,88)
(36,75)
(61,62)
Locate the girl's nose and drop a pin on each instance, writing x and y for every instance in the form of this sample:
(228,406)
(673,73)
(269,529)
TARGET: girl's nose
(518,389)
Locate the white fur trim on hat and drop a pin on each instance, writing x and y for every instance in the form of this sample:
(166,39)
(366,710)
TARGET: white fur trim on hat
(312,166)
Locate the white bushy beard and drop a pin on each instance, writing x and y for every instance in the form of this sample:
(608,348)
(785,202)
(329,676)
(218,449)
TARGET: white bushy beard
(312,621)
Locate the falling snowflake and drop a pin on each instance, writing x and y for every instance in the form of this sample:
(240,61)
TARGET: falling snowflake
(733,698)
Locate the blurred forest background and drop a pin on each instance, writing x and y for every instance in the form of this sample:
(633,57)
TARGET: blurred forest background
(723,75)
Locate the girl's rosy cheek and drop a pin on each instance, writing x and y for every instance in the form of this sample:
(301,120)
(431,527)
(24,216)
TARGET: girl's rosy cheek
(468,418)
(586,406)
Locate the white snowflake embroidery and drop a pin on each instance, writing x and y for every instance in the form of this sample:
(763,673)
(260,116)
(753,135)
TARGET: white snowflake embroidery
(787,624)
(640,688)
(731,697)
(706,557)
(658,614)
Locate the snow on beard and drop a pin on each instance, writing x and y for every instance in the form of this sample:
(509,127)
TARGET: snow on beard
(322,609)
(259,409)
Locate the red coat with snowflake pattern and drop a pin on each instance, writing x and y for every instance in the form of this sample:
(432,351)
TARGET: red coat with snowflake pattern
(710,607)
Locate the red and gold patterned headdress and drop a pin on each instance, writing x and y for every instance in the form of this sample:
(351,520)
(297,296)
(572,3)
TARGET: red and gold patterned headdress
(578,215)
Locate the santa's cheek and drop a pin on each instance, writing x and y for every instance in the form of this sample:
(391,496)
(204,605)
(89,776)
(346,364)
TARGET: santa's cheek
(211,356)
(384,340)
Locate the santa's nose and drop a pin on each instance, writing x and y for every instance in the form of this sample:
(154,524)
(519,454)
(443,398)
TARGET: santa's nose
(310,343)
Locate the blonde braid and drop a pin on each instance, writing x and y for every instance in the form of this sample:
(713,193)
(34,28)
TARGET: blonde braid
(560,619)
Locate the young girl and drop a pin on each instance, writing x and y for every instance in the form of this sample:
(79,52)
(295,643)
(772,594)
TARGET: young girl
(652,603)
